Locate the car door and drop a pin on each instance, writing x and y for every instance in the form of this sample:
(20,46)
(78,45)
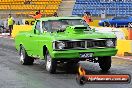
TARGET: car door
(123,21)
(119,21)
(34,39)
(113,21)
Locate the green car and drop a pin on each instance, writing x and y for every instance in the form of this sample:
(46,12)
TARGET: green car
(65,40)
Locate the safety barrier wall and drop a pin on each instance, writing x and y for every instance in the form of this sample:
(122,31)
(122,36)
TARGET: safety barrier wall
(18,28)
(28,21)
(124,47)
(94,23)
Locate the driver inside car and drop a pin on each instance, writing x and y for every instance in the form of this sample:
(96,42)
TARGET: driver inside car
(44,26)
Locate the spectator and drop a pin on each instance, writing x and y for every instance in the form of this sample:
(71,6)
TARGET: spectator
(39,12)
(10,23)
(38,15)
(27,2)
(55,14)
(87,17)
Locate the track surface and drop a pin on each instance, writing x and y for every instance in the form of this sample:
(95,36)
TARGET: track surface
(14,75)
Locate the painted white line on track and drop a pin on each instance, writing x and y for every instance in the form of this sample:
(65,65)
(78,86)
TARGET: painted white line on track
(6,37)
(125,58)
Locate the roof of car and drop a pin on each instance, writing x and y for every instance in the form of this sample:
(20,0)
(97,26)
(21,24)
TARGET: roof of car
(121,16)
(57,18)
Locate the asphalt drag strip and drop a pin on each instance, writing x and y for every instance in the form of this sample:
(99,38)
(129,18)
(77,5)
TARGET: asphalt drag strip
(15,75)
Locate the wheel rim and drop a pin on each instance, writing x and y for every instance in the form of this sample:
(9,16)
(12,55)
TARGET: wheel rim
(48,62)
(21,58)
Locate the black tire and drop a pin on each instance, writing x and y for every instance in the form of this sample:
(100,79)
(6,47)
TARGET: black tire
(24,58)
(106,24)
(105,63)
(50,63)
(72,67)
(130,24)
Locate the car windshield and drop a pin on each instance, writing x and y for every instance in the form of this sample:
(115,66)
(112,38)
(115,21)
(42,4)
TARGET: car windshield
(120,17)
(55,25)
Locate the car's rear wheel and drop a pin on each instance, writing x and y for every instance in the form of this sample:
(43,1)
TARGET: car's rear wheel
(24,58)
(105,63)
(130,25)
(50,64)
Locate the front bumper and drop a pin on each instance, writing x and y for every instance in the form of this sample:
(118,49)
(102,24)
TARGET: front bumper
(75,54)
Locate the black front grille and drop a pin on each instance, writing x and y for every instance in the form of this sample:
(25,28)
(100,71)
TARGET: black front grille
(85,44)
(82,44)
(75,44)
(96,43)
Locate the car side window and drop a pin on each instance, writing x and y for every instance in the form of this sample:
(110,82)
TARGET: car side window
(120,18)
(37,27)
(45,25)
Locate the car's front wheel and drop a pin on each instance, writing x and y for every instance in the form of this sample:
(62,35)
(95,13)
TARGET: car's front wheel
(105,63)
(50,64)
(24,58)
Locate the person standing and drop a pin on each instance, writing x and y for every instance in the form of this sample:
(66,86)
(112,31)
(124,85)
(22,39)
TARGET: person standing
(39,12)
(38,15)
(10,23)
(87,17)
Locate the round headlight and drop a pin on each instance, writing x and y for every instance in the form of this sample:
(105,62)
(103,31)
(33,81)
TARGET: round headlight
(109,43)
(61,45)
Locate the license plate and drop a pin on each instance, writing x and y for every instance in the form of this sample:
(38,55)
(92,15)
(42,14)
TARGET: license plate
(86,55)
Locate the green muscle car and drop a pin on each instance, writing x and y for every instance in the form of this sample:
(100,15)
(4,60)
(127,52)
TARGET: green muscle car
(65,40)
